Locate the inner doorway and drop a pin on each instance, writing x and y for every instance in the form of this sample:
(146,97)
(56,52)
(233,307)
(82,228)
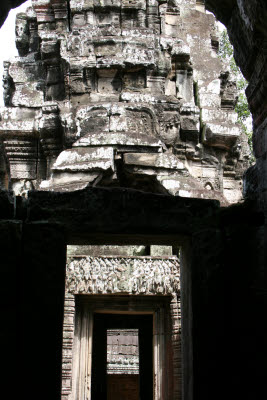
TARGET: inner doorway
(122,357)
(111,295)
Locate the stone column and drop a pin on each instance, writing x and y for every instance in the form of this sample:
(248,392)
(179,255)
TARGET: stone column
(210,296)
(42,283)
(175,311)
(68,339)
(50,133)
(10,294)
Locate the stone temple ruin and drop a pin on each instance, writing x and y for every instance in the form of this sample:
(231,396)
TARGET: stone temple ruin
(132,94)
(121,93)
(134,270)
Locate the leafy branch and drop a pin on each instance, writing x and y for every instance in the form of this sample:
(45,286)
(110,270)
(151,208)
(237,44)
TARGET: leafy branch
(226,53)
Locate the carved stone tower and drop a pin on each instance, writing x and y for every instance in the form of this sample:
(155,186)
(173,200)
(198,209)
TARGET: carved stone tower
(127,93)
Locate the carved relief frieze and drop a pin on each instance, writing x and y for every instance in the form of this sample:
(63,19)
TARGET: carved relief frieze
(107,275)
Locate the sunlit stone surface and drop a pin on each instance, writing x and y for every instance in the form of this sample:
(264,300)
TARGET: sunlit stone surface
(121,93)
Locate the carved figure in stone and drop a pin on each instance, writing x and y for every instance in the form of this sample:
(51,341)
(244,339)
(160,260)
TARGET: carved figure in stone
(147,276)
(122,93)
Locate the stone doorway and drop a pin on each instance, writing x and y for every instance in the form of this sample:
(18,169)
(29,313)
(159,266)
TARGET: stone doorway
(122,357)
(159,347)
(113,295)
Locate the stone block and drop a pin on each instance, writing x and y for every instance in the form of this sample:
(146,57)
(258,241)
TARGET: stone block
(69,181)
(107,48)
(104,18)
(27,95)
(118,123)
(120,140)
(49,47)
(78,5)
(85,159)
(171,183)
(19,121)
(26,72)
(163,161)
(170,88)
(184,84)
(107,3)
(133,4)
(76,84)
(109,85)
(92,121)
(170,30)
(209,100)
(24,169)
(157,251)
(221,136)
(105,250)
(232,190)
(78,19)
(54,74)
(134,80)
(156,84)
(190,128)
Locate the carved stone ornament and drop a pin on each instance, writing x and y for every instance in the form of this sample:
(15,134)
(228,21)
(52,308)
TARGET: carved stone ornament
(122,93)
(111,275)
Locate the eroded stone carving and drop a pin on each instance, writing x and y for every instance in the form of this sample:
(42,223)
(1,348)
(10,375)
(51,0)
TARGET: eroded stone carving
(122,351)
(106,275)
(140,79)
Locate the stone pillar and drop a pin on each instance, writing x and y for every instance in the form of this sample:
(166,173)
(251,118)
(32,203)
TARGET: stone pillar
(50,133)
(82,362)
(42,271)
(67,351)
(210,328)
(175,311)
(10,249)
(245,301)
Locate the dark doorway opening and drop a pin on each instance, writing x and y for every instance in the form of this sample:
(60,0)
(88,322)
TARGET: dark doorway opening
(123,386)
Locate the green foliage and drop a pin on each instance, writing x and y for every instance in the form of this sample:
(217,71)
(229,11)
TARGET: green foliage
(244,116)
(225,49)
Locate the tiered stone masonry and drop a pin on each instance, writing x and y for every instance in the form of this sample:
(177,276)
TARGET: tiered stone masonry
(121,93)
